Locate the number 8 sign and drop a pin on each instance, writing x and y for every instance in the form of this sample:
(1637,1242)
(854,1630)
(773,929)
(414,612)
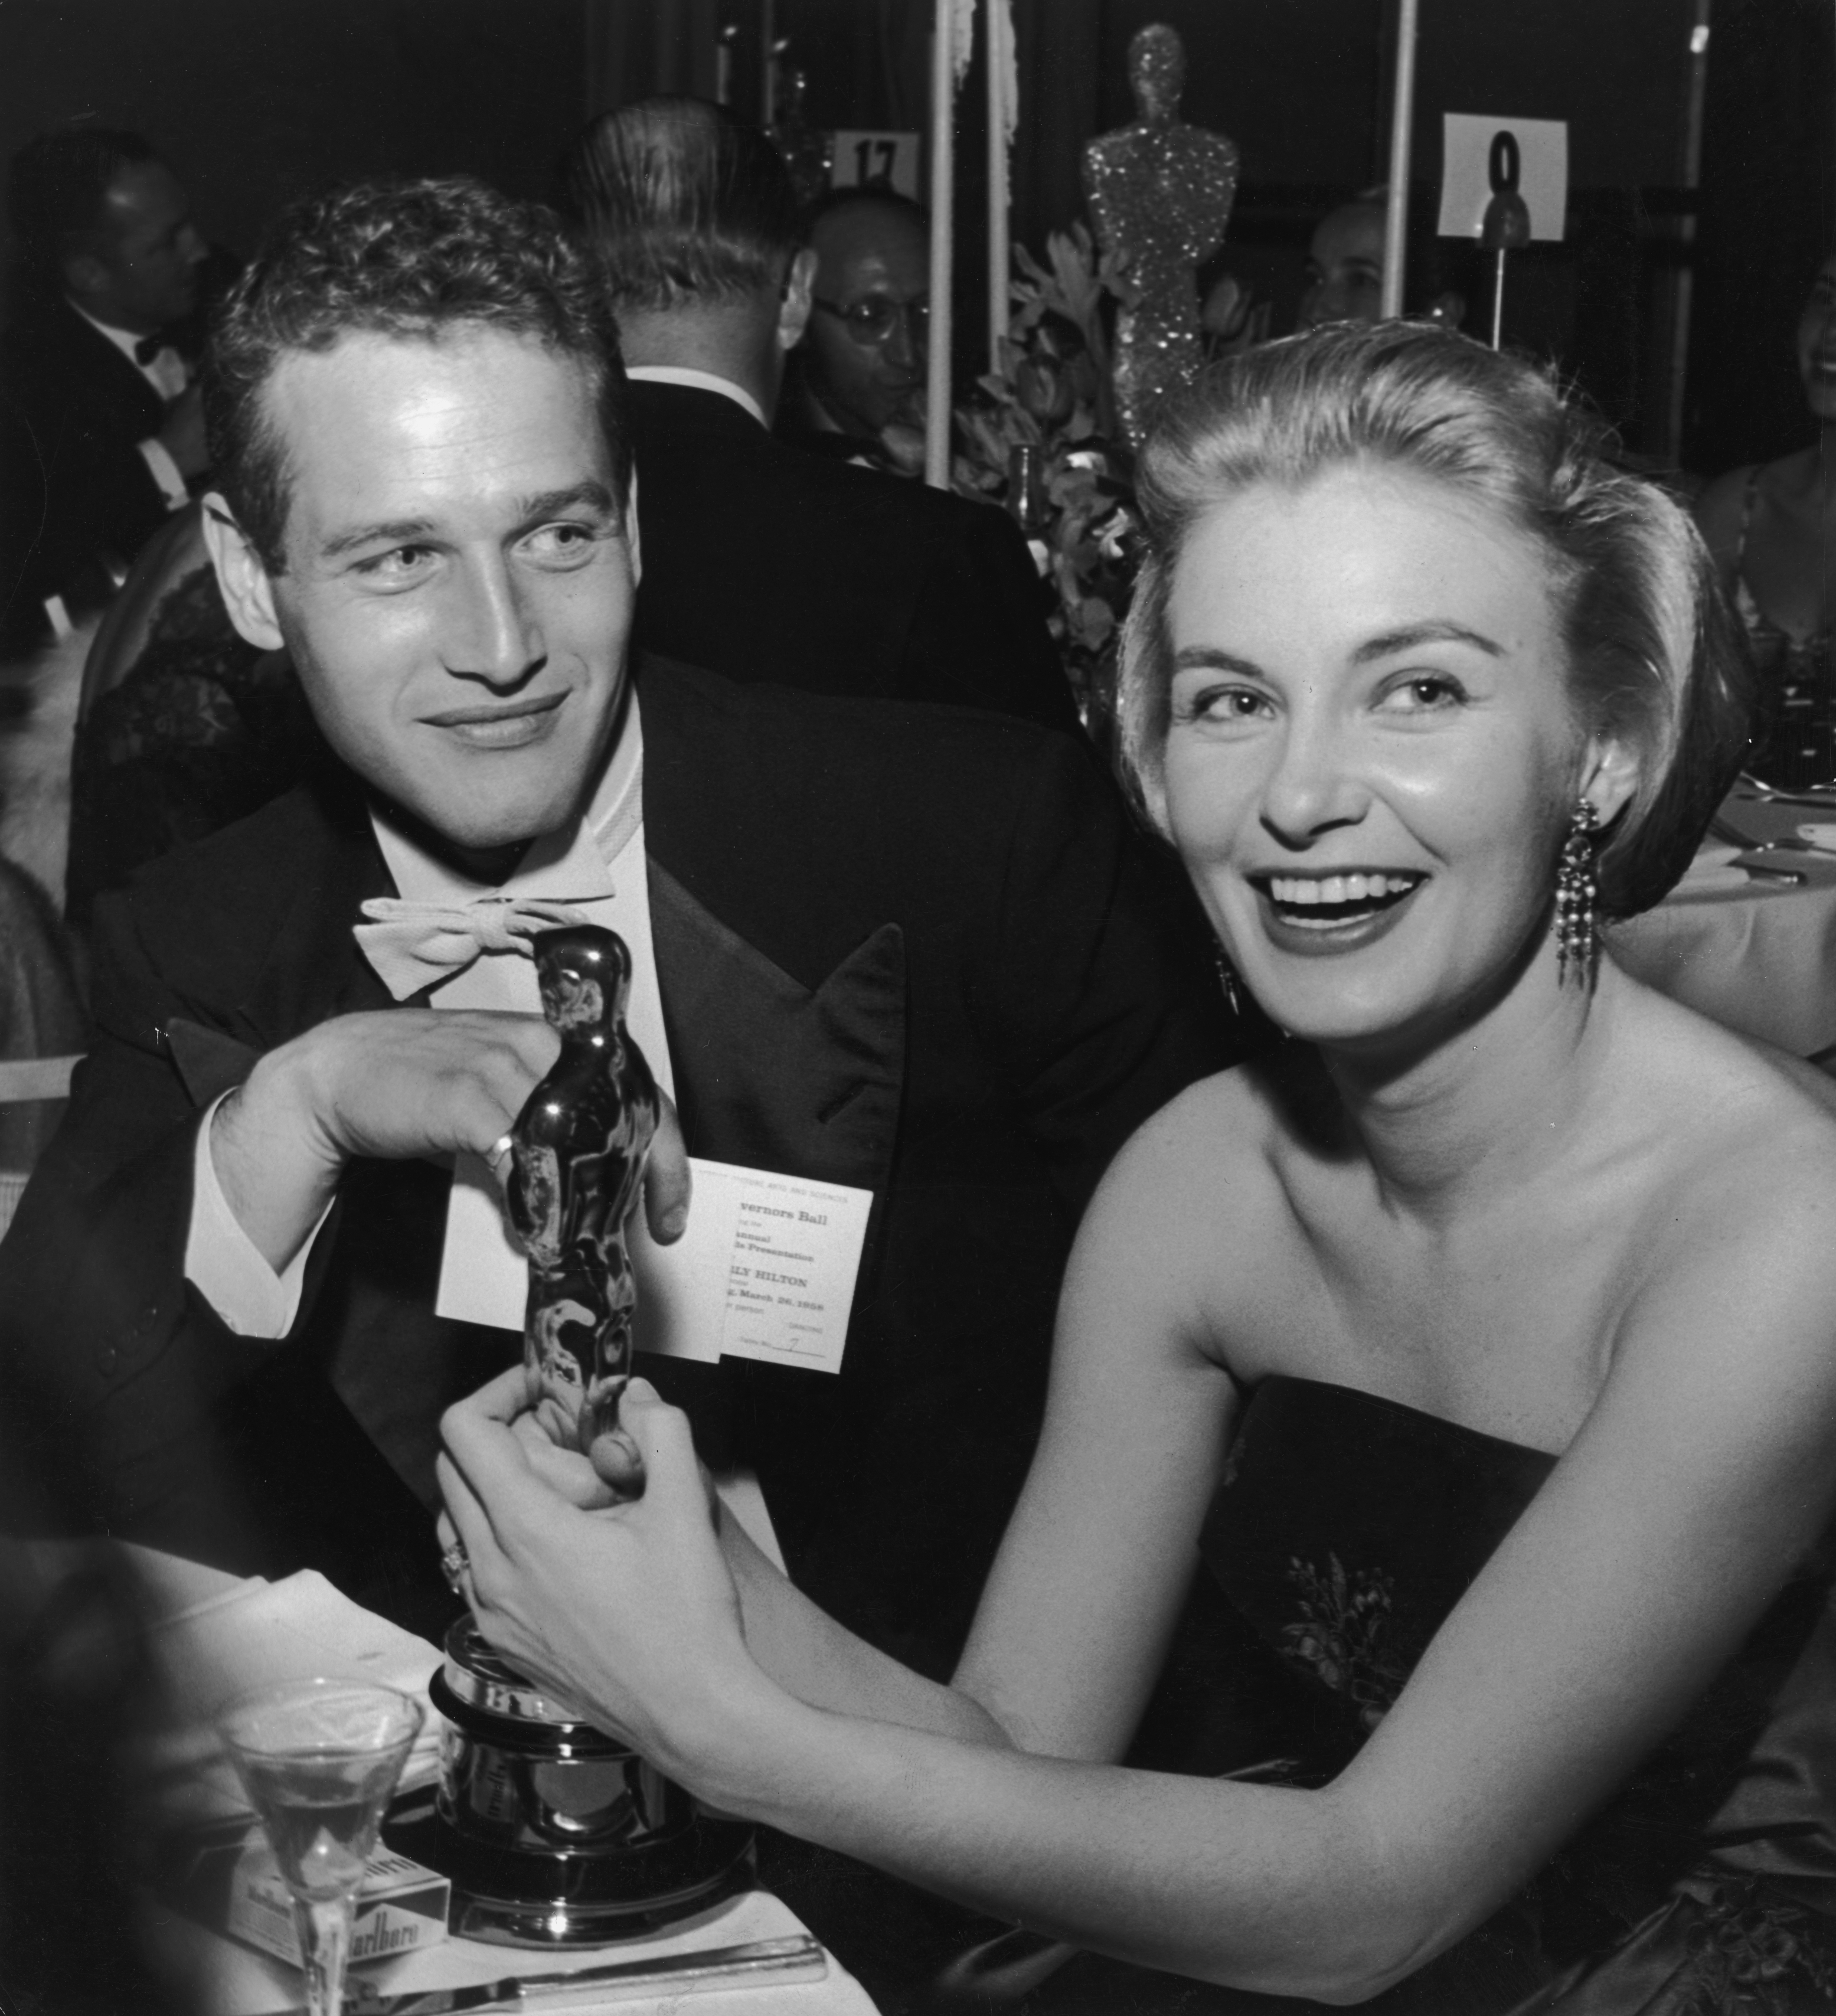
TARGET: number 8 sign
(1484,157)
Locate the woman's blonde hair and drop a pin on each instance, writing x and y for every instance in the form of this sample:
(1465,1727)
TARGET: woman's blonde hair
(1655,657)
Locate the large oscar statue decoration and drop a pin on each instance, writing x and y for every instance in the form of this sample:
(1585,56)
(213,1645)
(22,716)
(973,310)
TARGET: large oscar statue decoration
(1161,193)
(577,1154)
(553,1830)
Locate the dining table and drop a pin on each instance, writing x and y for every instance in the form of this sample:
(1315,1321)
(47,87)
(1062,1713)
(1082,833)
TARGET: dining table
(1747,938)
(212,1636)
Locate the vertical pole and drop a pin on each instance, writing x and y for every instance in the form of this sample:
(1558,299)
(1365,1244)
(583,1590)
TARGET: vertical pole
(1402,126)
(1682,298)
(999,50)
(723,65)
(768,67)
(937,382)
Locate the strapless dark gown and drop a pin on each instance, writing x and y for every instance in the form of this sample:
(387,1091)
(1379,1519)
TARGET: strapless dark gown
(1344,1531)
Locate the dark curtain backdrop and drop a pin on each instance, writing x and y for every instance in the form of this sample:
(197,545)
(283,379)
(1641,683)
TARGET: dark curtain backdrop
(1766,222)
(256,100)
(635,48)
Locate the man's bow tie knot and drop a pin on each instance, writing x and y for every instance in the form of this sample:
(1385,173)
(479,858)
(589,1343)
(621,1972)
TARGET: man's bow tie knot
(414,945)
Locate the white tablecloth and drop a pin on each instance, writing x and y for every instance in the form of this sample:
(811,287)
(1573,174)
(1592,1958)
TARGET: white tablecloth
(227,1979)
(214,1635)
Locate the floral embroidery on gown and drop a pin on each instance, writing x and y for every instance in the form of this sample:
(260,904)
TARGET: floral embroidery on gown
(1345,1529)
(1342,1635)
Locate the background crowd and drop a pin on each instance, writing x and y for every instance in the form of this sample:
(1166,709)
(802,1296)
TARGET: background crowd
(161,680)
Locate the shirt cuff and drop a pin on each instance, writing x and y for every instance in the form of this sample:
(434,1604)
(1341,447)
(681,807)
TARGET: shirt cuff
(222,1263)
(165,473)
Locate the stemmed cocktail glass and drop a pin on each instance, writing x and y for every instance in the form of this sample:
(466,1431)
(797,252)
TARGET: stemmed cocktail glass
(319,1761)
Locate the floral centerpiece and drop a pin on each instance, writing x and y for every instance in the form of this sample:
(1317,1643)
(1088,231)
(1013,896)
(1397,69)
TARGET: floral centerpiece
(1045,425)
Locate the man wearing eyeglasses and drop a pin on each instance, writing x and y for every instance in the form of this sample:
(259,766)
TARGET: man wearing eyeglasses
(862,358)
(762,562)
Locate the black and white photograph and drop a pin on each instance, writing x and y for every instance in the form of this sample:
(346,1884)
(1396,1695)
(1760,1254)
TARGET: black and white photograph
(918,1007)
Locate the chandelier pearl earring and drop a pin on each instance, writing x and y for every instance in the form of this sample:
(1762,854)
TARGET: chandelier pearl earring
(1577,936)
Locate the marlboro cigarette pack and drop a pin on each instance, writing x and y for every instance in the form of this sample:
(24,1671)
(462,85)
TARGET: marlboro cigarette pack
(401,1906)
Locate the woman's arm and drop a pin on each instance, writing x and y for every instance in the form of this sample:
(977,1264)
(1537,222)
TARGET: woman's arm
(1088,1586)
(1081,1603)
(1133,1862)
(526,1449)
(825,1665)
(1701,1476)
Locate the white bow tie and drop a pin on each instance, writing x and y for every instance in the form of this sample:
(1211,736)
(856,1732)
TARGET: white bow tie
(413,945)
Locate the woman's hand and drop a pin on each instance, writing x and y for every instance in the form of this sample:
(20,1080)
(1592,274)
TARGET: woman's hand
(627,1608)
(545,1435)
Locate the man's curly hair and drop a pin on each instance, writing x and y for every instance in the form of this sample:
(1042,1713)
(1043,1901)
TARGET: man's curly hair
(414,260)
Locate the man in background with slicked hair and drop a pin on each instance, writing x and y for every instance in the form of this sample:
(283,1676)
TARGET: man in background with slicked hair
(103,427)
(761,562)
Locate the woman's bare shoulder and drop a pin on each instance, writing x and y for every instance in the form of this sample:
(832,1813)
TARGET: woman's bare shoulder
(1741,1136)
(1201,1183)
(1721,1359)
(1235,1122)
(1724,1087)
(1157,1273)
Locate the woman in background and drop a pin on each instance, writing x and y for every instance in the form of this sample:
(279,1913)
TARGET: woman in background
(1771,528)
(1346,257)
(1479,1339)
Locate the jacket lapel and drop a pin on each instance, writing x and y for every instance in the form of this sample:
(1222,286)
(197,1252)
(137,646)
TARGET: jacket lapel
(769,1074)
(314,970)
(109,375)
(310,968)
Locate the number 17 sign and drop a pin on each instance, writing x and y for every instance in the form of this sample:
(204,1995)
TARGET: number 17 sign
(885,161)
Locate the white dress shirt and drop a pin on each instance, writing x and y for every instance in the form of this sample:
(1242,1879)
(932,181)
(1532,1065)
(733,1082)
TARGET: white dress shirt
(595,865)
(701,381)
(168,374)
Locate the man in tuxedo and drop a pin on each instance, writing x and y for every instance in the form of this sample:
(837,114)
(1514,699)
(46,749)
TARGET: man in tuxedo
(761,562)
(910,950)
(104,426)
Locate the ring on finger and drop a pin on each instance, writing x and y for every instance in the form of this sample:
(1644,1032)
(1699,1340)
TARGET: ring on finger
(455,1564)
(498,1151)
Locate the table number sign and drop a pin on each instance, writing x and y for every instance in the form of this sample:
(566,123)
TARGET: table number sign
(1484,157)
(864,159)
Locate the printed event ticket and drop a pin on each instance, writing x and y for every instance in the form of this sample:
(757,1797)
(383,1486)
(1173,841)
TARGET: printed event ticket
(766,1270)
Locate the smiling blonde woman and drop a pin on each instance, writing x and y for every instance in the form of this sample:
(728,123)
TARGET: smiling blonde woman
(1479,1341)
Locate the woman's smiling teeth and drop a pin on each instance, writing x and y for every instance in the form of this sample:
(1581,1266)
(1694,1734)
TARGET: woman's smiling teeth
(1336,899)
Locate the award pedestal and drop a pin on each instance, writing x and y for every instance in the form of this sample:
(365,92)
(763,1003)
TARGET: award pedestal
(552,1833)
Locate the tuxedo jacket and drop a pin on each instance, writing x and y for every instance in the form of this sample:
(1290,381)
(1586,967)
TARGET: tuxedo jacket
(911,949)
(75,486)
(761,562)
